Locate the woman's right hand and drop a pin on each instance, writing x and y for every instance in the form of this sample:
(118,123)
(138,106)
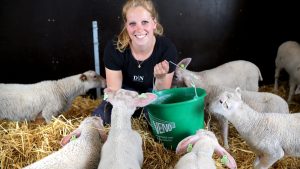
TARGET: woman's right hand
(161,69)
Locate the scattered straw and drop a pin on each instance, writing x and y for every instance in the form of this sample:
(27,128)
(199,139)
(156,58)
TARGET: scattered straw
(22,143)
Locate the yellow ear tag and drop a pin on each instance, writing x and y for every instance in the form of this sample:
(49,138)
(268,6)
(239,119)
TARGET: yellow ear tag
(105,96)
(224,159)
(189,148)
(182,66)
(143,95)
(73,138)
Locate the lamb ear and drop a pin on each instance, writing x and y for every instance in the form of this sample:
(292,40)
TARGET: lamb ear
(183,144)
(102,132)
(238,92)
(144,99)
(229,160)
(68,137)
(184,62)
(103,135)
(83,77)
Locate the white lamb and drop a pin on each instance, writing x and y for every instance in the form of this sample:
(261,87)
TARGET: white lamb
(45,99)
(259,101)
(233,74)
(218,80)
(288,58)
(81,153)
(204,143)
(123,148)
(270,135)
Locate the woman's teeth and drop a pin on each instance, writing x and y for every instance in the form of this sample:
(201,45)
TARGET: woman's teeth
(140,36)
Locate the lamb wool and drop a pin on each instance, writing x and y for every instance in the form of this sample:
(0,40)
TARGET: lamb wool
(80,153)
(288,58)
(45,99)
(240,73)
(269,135)
(123,148)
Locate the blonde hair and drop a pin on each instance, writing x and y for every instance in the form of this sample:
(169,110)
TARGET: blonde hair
(123,38)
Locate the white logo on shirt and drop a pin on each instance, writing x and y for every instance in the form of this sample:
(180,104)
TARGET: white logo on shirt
(138,78)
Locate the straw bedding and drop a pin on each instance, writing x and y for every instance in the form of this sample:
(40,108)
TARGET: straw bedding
(22,143)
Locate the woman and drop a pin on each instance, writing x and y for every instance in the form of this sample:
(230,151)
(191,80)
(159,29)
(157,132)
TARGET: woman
(139,60)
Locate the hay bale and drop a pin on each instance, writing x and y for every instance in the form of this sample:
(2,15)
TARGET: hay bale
(22,143)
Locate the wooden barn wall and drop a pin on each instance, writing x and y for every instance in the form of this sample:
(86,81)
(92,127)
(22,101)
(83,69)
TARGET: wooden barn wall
(51,39)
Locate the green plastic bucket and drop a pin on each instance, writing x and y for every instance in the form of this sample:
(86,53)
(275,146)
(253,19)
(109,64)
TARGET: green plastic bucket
(176,114)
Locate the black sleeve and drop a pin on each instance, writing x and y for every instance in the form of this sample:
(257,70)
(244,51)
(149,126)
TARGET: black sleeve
(112,58)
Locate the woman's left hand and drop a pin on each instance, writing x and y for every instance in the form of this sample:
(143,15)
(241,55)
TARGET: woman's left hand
(161,69)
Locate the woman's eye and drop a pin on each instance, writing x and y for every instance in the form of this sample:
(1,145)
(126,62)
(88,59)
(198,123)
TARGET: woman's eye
(144,22)
(132,24)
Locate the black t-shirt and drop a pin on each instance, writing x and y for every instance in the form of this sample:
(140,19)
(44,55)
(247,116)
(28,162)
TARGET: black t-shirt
(135,78)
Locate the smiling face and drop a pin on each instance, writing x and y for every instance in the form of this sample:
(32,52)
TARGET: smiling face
(140,26)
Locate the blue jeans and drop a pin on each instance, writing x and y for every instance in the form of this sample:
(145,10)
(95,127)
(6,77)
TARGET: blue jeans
(104,111)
